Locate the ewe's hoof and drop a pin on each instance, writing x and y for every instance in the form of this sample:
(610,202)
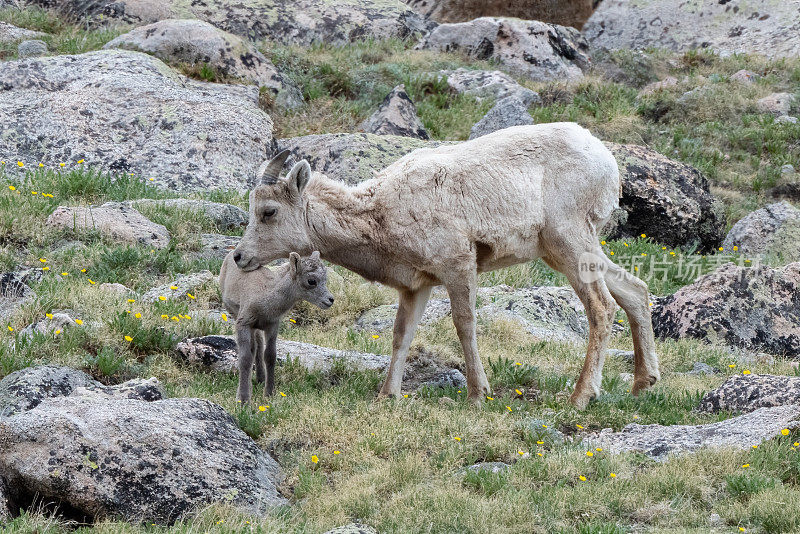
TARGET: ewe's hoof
(640,384)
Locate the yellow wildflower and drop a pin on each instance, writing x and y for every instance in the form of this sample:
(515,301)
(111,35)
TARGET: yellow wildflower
(61,164)
(173,287)
(579,427)
(282,393)
(45,268)
(612,475)
(164,316)
(190,296)
(589,454)
(34,192)
(48,315)
(454,437)
(509,408)
(41,164)
(224,317)
(745,465)
(785,432)
(162,297)
(336,452)
(643,236)
(314,458)
(91,281)
(375,336)
(64,274)
(138,315)
(80,161)
(518,392)
(20,164)
(582,478)
(540,442)
(58,332)
(732,365)
(11,187)
(128,339)
(611,253)
(746,372)
(489,398)
(78,322)
(131,301)
(10,329)
(262,408)
(517,363)
(602,242)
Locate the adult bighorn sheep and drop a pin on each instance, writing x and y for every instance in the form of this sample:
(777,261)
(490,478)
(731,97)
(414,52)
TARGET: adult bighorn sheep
(443,215)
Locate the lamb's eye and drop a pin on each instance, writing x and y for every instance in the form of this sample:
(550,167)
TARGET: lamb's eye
(269,212)
(312,282)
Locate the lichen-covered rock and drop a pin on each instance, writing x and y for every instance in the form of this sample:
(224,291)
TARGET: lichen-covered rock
(10,33)
(759,26)
(217,246)
(31,48)
(115,288)
(352,158)
(24,389)
(180,288)
(5,502)
(123,111)
(397,115)
(135,460)
(14,290)
(285,21)
(772,229)
(744,76)
(628,67)
(778,104)
(492,84)
(539,51)
(667,200)
(186,41)
(452,378)
(381,318)
(565,12)
(57,322)
(754,308)
(114,220)
(700,368)
(745,393)
(217,353)
(226,216)
(505,113)
(659,442)
(352,528)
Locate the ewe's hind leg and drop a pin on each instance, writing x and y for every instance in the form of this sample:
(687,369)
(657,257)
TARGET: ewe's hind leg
(462,290)
(632,295)
(565,255)
(258,351)
(244,343)
(412,305)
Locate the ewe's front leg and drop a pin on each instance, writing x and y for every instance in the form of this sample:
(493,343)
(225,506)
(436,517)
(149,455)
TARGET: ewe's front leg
(244,343)
(409,312)
(462,293)
(271,355)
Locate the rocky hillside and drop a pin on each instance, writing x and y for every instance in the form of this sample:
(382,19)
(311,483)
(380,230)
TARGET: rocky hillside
(132,131)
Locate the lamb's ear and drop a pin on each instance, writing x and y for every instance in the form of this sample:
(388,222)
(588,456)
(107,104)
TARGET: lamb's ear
(270,171)
(299,176)
(315,255)
(294,263)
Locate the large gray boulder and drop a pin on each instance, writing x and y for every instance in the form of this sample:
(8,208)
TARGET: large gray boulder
(667,200)
(745,393)
(25,389)
(492,84)
(759,26)
(285,21)
(351,158)
(774,229)
(397,115)
(125,111)
(754,308)
(226,216)
(10,33)
(177,42)
(660,442)
(506,113)
(536,50)
(114,220)
(134,460)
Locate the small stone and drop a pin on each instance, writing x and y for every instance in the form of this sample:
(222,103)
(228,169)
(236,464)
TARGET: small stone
(787,170)
(626,377)
(625,355)
(352,528)
(745,76)
(32,48)
(701,368)
(185,283)
(666,83)
(397,115)
(777,104)
(507,112)
(114,288)
(485,467)
(58,321)
(447,401)
(493,84)
(714,520)
(786,119)
(114,220)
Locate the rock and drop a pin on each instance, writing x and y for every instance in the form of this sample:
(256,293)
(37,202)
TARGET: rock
(217,353)
(488,84)
(123,111)
(654,87)
(745,393)
(628,67)
(300,22)
(351,158)
(397,115)
(778,104)
(352,528)
(193,42)
(225,216)
(626,377)
(217,246)
(786,119)
(58,322)
(659,442)
(114,289)
(10,33)
(32,48)
(452,378)
(541,429)
(539,51)
(667,200)
(381,318)
(701,368)
(14,290)
(485,467)
(625,355)
(133,460)
(25,389)
(114,220)
(714,520)
(506,113)
(178,289)
(761,26)
(755,308)
(772,229)
(745,76)
(5,513)
(787,170)
(564,12)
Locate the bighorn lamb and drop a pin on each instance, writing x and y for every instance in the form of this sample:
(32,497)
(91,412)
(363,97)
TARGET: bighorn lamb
(258,299)
(443,215)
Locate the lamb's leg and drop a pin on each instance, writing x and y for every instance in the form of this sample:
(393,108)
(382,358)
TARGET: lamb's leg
(632,295)
(567,254)
(244,342)
(258,350)
(412,305)
(462,290)
(271,355)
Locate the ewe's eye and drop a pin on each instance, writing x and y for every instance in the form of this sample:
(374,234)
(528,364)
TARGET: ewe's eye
(269,212)
(312,282)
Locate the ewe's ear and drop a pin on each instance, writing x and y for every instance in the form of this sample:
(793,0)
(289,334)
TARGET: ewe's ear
(315,255)
(299,176)
(294,263)
(270,171)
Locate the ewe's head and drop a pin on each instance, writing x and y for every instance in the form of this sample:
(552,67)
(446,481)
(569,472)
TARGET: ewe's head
(311,278)
(277,215)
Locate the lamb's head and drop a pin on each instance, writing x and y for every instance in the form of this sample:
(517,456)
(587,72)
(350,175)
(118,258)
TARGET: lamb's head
(311,279)
(277,215)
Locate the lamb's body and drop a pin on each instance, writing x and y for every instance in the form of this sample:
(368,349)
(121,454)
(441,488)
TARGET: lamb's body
(440,216)
(259,299)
